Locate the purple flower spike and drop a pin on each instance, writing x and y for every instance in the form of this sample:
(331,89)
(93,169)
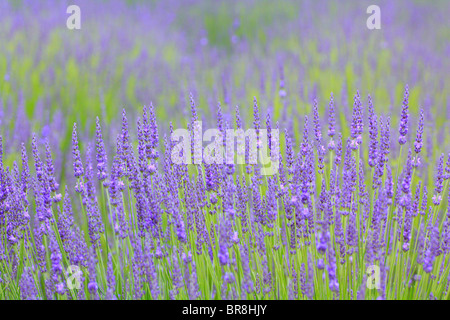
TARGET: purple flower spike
(419,143)
(77,164)
(101,153)
(403,130)
(373,134)
(331,118)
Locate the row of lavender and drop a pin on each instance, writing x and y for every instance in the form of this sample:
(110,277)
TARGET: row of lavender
(128,53)
(342,219)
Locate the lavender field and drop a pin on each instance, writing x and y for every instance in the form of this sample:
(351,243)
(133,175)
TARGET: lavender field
(95,204)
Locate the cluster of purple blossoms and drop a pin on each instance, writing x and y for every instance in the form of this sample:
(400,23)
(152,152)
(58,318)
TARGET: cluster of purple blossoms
(145,227)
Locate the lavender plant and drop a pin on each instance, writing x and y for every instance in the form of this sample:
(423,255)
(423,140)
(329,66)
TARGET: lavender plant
(332,221)
(93,205)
